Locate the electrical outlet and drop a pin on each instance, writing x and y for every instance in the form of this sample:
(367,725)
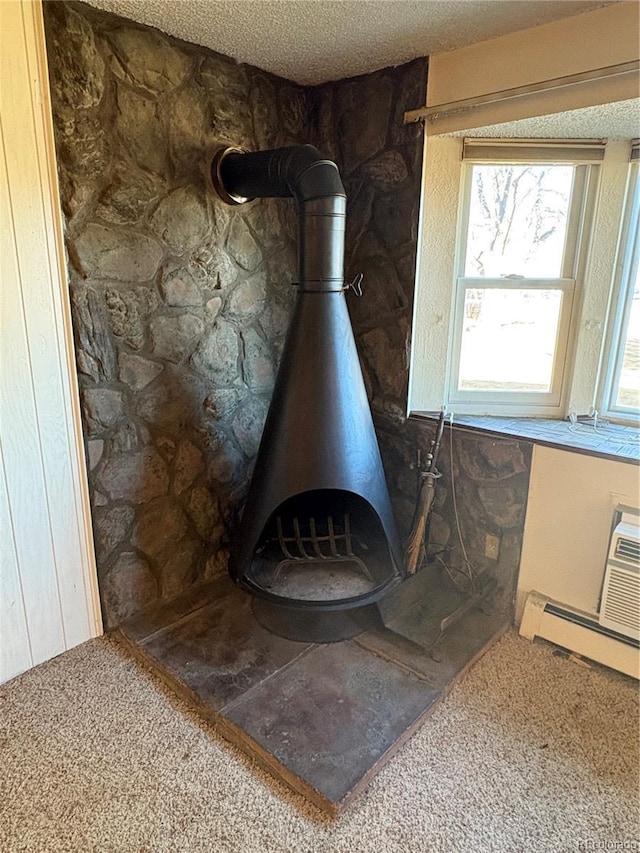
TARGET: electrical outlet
(491,546)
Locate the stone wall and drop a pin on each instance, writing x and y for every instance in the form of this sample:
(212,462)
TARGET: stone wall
(180,304)
(483,489)
(359,123)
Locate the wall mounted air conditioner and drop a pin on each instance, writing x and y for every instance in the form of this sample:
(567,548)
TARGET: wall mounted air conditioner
(612,635)
(620,602)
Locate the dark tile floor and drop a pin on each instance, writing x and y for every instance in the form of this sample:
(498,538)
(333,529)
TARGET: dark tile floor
(323,718)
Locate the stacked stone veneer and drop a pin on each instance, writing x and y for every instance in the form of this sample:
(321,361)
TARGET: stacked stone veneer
(179,303)
(482,490)
(360,123)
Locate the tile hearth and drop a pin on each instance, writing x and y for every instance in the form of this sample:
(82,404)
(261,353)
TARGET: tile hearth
(322,718)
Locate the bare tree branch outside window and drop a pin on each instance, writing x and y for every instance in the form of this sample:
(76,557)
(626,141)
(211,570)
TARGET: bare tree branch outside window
(518,219)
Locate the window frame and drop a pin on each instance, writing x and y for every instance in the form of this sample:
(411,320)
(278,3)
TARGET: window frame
(499,399)
(436,267)
(627,262)
(579,224)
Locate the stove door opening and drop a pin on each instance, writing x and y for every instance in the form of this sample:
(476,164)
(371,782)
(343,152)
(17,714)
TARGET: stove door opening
(323,549)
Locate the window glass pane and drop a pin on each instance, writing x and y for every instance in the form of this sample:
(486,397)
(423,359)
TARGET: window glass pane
(628,390)
(518,220)
(509,339)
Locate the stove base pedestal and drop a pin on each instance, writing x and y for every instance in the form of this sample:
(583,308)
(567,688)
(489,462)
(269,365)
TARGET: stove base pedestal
(305,625)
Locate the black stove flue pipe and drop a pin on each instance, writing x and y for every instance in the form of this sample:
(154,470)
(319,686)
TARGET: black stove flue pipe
(302,173)
(319,433)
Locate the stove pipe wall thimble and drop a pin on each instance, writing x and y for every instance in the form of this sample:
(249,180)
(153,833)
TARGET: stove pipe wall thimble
(317,544)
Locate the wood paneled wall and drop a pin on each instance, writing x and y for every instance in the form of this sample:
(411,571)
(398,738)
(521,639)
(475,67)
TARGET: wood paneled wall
(48,588)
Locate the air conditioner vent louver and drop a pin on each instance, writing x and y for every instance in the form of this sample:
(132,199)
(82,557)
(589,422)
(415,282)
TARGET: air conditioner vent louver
(620,605)
(628,549)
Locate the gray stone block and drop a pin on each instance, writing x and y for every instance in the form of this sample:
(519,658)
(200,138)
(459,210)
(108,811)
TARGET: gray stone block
(180,568)
(174,338)
(179,290)
(123,255)
(102,408)
(387,170)
(111,528)
(128,310)
(188,465)
(204,512)
(140,132)
(181,220)
(490,459)
(126,588)
(95,352)
(258,369)
(137,372)
(247,424)
(138,477)
(77,76)
(242,246)
(158,524)
(217,354)
(144,59)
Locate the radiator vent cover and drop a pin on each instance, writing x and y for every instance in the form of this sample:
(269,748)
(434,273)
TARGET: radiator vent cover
(620,604)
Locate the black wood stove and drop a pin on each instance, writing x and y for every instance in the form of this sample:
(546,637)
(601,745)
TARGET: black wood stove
(317,544)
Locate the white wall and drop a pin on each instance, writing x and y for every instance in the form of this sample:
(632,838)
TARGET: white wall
(572,497)
(576,45)
(48,587)
(435,273)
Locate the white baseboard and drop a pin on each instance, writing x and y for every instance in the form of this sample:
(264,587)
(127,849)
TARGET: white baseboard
(555,622)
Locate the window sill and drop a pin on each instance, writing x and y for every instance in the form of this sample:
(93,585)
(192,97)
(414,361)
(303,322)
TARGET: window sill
(608,441)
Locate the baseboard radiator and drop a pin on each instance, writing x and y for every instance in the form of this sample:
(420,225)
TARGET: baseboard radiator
(579,633)
(612,635)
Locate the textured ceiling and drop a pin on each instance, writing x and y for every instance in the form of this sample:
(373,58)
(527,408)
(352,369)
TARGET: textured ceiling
(620,120)
(312,41)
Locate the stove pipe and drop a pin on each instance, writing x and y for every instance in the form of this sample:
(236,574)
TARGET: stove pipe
(319,435)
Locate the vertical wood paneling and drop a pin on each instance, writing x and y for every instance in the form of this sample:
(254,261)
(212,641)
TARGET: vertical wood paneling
(50,194)
(15,648)
(21,446)
(38,285)
(46,493)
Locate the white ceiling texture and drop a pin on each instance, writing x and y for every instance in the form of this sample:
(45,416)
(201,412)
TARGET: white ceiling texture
(313,41)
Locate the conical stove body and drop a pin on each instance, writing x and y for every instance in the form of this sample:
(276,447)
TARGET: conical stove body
(319,433)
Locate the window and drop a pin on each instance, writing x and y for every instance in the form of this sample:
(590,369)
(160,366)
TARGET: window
(528,299)
(621,387)
(521,229)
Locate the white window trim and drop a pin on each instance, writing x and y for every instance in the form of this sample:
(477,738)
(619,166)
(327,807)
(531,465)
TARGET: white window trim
(477,401)
(598,278)
(621,295)
(436,277)
(476,152)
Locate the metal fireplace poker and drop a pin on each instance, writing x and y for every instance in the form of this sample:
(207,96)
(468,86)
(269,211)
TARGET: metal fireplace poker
(317,543)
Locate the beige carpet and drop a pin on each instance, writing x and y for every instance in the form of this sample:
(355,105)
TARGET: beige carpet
(530,752)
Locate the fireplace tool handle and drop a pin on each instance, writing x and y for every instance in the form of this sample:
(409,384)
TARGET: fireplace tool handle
(416,545)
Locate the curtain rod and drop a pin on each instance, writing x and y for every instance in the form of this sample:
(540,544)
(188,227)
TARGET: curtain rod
(609,71)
